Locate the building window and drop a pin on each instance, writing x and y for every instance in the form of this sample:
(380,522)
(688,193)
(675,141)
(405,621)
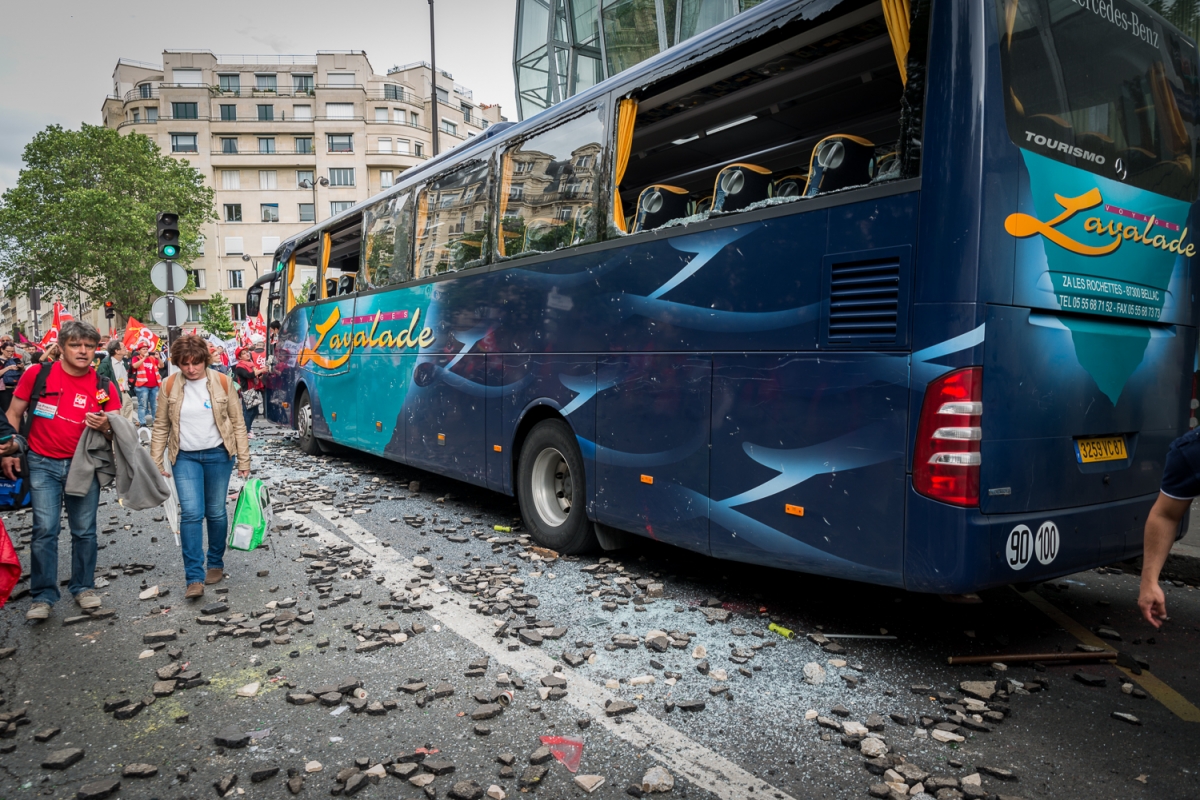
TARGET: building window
(341,143)
(449,127)
(419,149)
(399,116)
(233,245)
(183,143)
(304,144)
(197,277)
(269,245)
(235,279)
(414,118)
(184,110)
(303,84)
(381,115)
(393,92)
(186,77)
(137,115)
(231,179)
(443,95)
(270,212)
(584,162)
(233,212)
(266,144)
(308,212)
(466,109)
(230,83)
(301,112)
(341,176)
(265,83)
(266,113)
(402,146)
(144,91)
(229,113)
(194,311)
(516,191)
(339,110)
(237,311)
(340,78)
(268,179)
(151,114)
(303,175)
(338,206)
(385,145)
(385,178)
(229,145)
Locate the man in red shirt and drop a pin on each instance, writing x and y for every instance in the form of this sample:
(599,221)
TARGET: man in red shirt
(71,401)
(146,366)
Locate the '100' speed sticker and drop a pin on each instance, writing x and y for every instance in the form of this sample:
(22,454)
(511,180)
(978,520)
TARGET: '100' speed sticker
(1023,545)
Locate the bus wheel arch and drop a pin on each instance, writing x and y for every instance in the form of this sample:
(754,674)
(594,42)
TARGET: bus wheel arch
(307,440)
(551,485)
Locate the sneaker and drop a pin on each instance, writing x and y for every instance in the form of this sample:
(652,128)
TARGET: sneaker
(250,435)
(194,590)
(88,599)
(38,611)
(145,436)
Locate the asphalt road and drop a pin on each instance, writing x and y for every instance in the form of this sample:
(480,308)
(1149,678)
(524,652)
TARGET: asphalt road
(759,734)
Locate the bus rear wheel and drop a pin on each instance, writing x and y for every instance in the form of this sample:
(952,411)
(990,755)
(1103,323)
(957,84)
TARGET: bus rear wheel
(551,489)
(308,440)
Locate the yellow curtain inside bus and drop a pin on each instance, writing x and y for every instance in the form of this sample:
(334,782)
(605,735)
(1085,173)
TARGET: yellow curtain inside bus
(506,173)
(326,247)
(290,302)
(626,115)
(1174,131)
(897,14)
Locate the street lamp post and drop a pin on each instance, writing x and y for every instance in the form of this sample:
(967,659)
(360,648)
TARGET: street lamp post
(433,123)
(307,184)
(247,257)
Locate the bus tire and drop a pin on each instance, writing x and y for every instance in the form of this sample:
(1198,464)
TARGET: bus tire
(308,440)
(550,489)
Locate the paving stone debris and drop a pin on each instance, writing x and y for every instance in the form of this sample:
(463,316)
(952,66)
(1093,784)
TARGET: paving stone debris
(98,790)
(61,759)
(139,771)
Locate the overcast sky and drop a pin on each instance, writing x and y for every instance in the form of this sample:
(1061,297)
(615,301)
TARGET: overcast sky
(57,56)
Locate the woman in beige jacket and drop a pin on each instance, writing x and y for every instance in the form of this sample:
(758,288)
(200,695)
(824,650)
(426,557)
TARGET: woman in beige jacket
(201,431)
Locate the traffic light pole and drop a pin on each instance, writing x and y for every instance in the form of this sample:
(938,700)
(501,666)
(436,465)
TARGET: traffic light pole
(171,322)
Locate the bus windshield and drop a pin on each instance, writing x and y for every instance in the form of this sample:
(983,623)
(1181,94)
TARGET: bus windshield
(1105,86)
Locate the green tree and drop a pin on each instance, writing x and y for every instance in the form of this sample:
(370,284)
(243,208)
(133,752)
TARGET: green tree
(215,317)
(305,288)
(81,217)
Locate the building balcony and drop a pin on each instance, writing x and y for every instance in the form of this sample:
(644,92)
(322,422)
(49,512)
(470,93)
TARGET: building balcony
(389,158)
(141,122)
(391,96)
(406,125)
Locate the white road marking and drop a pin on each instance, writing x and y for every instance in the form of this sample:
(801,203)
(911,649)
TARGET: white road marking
(679,753)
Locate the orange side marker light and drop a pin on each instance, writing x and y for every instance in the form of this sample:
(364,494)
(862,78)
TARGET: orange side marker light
(647,479)
(795,511)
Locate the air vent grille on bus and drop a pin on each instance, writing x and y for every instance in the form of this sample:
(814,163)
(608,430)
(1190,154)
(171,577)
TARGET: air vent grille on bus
(864,300)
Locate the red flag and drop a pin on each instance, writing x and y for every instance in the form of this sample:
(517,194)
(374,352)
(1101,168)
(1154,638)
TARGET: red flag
(10,566)
(61,315)
(138,335)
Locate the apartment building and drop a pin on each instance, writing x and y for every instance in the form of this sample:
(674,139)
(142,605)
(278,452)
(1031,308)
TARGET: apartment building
(286,141)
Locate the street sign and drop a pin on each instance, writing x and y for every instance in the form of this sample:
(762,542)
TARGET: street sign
(158,276)
(159,310)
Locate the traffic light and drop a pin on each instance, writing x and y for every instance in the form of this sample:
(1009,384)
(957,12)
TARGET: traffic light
(168,235)
(110,309)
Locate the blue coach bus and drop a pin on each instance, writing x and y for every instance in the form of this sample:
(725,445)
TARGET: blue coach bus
(895,294)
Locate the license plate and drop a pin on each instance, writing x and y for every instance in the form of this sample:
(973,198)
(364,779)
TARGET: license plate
(1100,448)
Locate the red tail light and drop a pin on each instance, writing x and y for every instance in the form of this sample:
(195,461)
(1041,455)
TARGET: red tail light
(946,460)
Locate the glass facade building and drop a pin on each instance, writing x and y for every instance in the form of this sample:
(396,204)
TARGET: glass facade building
(563,47)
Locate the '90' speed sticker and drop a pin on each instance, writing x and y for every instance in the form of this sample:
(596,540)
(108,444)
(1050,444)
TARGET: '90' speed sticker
(1023,545)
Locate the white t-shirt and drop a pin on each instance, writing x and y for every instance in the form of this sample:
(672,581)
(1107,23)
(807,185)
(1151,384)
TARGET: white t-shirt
(121,374)
(197,428)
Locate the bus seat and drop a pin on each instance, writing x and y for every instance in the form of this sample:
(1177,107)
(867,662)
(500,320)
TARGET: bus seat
(1136,160)
(789,186)
(331,287)
(887,167)
(346,284)
(658,205)
(740,185)
(839,161)
(704,205)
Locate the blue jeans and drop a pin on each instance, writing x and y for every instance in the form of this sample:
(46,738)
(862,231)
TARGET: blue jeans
(147,402)
(249,414)
(202,481)
(47,480)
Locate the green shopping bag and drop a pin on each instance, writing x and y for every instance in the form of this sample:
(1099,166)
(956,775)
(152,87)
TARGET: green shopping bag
(252,516)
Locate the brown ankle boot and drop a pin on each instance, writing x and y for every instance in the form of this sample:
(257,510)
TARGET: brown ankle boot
(213,576)
(194,590)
